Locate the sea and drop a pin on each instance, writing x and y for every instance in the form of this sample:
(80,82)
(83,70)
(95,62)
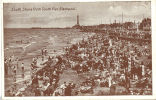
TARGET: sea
(26,42)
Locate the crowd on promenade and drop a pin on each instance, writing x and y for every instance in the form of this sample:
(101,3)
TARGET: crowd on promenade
(132,34)
(115,62)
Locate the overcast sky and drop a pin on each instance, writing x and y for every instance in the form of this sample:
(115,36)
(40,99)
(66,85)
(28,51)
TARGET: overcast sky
(90,13)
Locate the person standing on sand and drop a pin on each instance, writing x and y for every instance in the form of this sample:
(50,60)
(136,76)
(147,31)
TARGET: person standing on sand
(143,68)
(17,62)
(42,52)
(6,67)
(113,89)
(45,51)
(22,66)
(42,58)
(110,80)
(68,90)
(63,86)
(14,71)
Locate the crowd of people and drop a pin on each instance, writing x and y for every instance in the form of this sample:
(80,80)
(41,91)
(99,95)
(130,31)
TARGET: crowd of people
(12,65)
(113,61)
(117,60)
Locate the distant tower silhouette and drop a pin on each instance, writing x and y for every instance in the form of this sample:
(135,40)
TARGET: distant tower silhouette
(77,26)
(77,19)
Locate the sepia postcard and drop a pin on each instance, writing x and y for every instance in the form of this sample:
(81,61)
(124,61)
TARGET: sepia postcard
(78,50)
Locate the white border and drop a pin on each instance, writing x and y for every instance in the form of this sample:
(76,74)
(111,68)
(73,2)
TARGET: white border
(1,42)
(153,5)
(13,1)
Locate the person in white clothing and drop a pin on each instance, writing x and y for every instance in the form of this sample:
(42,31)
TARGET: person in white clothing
(110,81)
(143,69)
(63,86)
